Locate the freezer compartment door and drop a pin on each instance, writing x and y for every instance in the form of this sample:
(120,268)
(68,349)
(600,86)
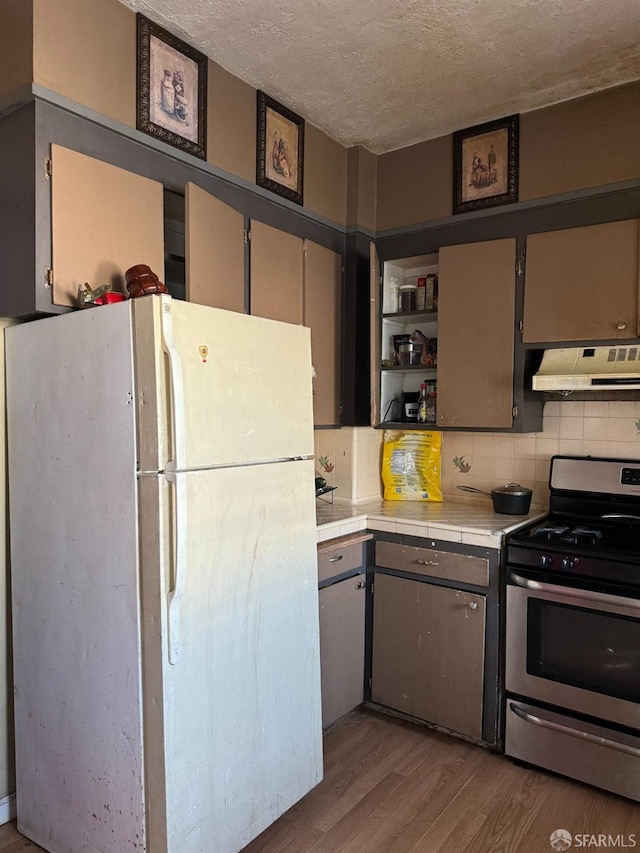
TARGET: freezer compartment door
(232,669)
(218,387)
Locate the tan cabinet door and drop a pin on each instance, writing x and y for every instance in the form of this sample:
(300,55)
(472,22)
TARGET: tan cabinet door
(276,274)
(428,652)
(581,284)
(323,315)
(341,647)
(476,328)
(104,220)
(214,242)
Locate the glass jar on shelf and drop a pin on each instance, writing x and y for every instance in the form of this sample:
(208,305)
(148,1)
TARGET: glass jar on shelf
(408,294)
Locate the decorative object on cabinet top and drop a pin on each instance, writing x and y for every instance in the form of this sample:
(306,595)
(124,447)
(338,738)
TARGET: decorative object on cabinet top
(280,153)
(171,89)
(142,281)
(102,295)
(485,165)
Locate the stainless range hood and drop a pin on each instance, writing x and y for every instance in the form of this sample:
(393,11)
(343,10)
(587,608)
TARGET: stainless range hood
(589,369)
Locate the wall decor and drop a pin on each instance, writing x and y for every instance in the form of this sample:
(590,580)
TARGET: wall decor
(280,155)
(485,165)
(172,89)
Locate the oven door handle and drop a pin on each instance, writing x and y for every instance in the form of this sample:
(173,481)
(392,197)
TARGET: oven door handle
(576,594)
(567,730)
(624,515)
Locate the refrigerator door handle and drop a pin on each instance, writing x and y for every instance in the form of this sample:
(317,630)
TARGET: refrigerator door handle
(179,482)
(178,463)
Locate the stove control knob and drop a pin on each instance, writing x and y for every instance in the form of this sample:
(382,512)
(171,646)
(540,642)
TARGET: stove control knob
(566,564)
(545,561)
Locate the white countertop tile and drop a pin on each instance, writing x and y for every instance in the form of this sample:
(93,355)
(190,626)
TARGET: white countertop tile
(468,522)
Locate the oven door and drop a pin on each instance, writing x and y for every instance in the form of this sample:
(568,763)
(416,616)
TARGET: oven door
(574,648)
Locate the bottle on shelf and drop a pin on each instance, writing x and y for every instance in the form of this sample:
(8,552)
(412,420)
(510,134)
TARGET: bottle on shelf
(427,403)
(422,403)
(393,303)
(431,402)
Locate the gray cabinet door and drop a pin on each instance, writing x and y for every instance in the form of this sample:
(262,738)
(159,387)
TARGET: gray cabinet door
(428,652)
(214,237)
(476,328)
(581,284)
(342,647)
(276,274)
(323,315)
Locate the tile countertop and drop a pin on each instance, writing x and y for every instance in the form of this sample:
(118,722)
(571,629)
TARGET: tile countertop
(467,522)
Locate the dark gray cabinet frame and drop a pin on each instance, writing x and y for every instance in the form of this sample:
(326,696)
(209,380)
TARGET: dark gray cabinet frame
(492,722)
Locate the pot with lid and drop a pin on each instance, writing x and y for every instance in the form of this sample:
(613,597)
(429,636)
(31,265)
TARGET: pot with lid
(512,499)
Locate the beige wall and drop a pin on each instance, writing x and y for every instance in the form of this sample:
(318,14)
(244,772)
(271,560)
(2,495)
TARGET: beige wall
(325,175)
(362,176)
(86,51)
(581,143)
(16,41)
(414,184)
(231,123)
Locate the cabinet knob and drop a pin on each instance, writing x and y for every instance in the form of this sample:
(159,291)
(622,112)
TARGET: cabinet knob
(472,605)
(621,327)
(361,585)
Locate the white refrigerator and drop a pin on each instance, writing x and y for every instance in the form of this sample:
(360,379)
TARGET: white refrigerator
(164,587)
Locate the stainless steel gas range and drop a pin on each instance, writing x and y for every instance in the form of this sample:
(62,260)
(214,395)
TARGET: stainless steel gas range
(573,627)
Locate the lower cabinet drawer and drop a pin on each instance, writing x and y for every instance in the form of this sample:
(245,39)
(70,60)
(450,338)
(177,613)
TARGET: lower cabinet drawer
(588,752)
(436,564)
(334,560)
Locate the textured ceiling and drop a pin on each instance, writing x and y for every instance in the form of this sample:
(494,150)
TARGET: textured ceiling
(390,73)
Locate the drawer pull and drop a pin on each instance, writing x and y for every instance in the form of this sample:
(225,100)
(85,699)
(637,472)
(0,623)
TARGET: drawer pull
(427,562)
(577,733)
(335,559)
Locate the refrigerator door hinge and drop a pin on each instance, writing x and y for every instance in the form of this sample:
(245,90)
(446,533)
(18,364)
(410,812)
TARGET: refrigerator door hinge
(48,277)
(48,168)
(247,235)
(514,412)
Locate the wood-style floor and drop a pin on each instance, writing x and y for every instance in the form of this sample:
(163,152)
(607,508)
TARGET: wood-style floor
(393,787)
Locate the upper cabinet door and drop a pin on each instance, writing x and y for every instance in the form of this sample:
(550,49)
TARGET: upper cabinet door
(104,220)
(214,237)
(581,284)
(476,327)
(276,274)
(322,314)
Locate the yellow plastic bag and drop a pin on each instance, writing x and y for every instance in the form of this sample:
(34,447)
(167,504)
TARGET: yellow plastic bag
(411,465)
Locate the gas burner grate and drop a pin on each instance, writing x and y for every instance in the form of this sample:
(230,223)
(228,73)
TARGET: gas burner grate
(566,534)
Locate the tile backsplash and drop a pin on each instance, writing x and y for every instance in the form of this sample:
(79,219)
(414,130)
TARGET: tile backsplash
(349,458)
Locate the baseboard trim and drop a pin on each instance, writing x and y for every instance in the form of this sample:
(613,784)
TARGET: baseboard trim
(7,808)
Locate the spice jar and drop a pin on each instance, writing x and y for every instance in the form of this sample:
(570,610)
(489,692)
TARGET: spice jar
(408,294)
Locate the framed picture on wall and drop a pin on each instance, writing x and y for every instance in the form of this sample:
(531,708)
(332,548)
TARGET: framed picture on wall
(485,165)
(171,89)
(280,154)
